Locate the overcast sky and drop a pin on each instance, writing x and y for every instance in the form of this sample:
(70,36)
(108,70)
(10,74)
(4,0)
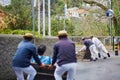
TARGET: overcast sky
(5,2)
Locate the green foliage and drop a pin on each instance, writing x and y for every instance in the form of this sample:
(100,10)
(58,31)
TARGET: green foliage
(116,18)
(19,32)
(5,31)
(20,18)
(9,31)
(57,7)
(116,8)
(58,25)
(20,14)
(70,27)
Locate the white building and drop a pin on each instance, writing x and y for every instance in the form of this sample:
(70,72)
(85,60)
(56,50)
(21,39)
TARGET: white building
(73,12)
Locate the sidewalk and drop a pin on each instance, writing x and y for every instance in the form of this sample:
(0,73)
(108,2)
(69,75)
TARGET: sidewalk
(102,69)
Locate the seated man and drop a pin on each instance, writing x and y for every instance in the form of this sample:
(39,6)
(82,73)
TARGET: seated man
(44,59)
(49,73)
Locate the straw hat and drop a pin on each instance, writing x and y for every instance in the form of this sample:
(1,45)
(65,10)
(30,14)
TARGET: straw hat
(28,35)
(62,33)
(83,38)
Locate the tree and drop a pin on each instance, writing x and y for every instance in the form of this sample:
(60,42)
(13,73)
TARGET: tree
(20,14)
(58,24)
(116,18)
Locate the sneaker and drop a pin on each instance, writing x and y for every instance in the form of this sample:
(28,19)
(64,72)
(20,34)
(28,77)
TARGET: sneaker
(108,54)
(99,55)
(105,58)
(95,59)
(91,59)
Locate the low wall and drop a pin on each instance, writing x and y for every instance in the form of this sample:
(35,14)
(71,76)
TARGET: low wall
(8,45)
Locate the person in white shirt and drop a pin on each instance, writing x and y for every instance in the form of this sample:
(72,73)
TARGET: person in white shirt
(101,48)
(89,44)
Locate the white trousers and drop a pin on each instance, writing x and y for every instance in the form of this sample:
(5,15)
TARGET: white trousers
(70,68)
(30,71)
(94,52)
(103,51)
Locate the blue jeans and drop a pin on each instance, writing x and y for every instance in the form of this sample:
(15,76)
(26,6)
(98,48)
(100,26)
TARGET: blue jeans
(28,70)
(70,68)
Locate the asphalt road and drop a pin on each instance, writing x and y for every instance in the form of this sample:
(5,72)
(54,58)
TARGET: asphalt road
(102,69)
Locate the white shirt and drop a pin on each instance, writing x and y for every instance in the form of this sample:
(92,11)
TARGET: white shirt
(96,41)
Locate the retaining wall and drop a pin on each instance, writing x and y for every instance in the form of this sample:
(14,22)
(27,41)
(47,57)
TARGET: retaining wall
(8,45)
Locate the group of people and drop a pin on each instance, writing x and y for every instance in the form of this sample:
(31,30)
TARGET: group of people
(96,47)
(64,57)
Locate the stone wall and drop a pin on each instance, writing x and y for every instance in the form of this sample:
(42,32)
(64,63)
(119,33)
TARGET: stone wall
(8,45)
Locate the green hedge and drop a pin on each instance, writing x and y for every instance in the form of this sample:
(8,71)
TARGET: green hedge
(20,32)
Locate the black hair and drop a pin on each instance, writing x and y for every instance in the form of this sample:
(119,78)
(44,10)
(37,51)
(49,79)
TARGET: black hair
(28,38)
(41,49)
(62,36)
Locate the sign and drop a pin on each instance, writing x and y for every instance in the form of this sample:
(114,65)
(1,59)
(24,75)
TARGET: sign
(109,13)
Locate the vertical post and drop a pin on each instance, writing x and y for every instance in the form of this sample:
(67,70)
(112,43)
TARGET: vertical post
(43,18)
(39,17)
(110,4)
(33,18)
(111,30)
(116,48)
(49,19)
(65,13)
(111,27)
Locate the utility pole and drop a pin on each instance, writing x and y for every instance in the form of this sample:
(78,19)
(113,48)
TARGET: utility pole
(33,16)
(110,15)
(111,26)
(49,19)
(43,18)
(39,17)
(65,14)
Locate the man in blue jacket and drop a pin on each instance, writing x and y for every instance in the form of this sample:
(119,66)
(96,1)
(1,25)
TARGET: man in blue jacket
(64,56)
(21,60)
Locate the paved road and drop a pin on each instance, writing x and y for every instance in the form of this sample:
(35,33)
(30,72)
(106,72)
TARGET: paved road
(102,69)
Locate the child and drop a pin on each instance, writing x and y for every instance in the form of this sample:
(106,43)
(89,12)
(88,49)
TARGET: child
(44,59)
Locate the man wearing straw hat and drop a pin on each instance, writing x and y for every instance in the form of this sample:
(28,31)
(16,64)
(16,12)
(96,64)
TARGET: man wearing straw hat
(21,60)
(64,56)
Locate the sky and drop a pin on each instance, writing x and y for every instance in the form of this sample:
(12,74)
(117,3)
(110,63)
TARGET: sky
(5,2)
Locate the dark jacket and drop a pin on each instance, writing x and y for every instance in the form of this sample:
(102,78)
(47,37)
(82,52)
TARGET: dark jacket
(88,43)
(25,51)
(64,52)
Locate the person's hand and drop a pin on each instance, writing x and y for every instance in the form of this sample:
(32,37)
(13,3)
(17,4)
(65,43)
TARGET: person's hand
(80,50)
(76,52)
(50,67)
(43,65)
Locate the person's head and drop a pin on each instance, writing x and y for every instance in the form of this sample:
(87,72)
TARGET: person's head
(91,36)
(83,38)
(28,36)
(62,34)
(41,49)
